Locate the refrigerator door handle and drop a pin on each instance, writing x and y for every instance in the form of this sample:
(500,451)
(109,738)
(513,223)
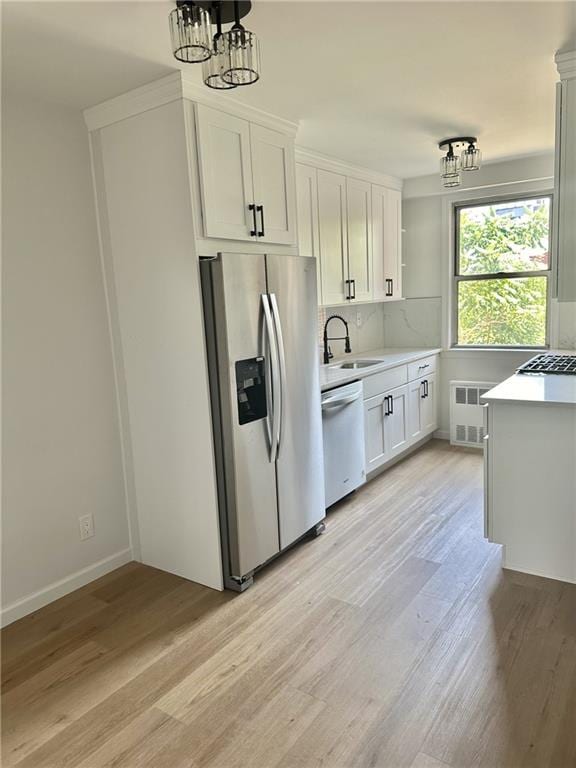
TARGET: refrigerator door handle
(273,387)
(282,360)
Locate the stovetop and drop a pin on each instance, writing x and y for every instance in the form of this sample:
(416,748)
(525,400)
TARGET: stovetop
(557,364)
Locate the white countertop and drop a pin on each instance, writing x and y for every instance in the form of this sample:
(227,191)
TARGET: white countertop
(388,358)
(540,388)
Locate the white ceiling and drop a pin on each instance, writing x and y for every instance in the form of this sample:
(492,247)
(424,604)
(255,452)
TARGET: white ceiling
(375,83)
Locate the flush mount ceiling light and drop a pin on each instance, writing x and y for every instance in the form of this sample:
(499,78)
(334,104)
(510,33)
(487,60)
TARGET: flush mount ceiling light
(229,59)
(462,155)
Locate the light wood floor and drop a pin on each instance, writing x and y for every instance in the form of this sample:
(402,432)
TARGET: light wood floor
(393,640)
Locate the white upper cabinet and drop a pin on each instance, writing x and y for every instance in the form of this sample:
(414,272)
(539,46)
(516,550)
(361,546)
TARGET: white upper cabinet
(274,184)
(359,231)
(564,231)
(225,174)
(387,243)
(358,204)
(246,178)
(333,237)
(307,212)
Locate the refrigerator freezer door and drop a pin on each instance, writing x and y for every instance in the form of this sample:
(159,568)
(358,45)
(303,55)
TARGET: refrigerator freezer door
(300,463)
(251,511)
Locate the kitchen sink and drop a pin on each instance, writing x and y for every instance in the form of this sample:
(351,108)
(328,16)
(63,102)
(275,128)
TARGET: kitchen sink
(356,364)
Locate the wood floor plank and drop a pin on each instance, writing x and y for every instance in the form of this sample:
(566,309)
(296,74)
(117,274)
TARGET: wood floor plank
(393,641)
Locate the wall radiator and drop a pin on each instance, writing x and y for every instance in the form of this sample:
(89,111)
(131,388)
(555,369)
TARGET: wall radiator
(466,412)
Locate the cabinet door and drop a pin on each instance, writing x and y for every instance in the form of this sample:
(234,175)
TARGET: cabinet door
(274,185)
(225,174)
(415,398)
(375,409)
(358,216)
(429,405)
(396,428)
(393,243)
(386,243)
(333,237)
(307,208)
(564,234)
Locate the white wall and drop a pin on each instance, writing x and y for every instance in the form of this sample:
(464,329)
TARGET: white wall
(421,320)
(61,447)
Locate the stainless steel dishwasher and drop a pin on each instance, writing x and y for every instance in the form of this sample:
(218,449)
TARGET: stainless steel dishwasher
(343,432)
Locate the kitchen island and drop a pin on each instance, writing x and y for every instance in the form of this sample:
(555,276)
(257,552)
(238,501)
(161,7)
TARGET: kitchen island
(530,473)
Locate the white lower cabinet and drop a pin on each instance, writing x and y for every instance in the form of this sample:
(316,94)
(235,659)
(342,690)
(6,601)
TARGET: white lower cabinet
(422,407)
(429,407)
(385,426)
(397,418)
(415,398)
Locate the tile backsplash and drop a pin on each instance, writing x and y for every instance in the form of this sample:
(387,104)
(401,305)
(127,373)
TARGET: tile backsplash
(365,324)
(413,322)
(408,323)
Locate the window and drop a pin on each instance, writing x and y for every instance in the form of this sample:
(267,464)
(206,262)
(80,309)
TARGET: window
(502,273)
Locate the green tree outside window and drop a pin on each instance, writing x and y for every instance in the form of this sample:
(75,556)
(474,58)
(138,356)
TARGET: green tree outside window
(493,240)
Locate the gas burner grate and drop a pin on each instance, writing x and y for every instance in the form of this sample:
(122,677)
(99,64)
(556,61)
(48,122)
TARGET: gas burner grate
(563,364)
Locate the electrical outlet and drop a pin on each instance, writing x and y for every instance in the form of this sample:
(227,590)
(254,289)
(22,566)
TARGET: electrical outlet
(86,524)
(358,319)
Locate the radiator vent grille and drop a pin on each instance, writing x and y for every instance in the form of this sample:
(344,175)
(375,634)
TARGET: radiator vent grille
(467,412)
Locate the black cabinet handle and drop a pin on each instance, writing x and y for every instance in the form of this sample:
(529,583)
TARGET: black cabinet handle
(426,382)
(389,287)
(391,404)
(260,209)
(347,284)
(254,231)
(422,390)
(353,284)
(425,388)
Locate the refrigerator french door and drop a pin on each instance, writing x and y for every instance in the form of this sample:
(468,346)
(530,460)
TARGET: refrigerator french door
(260,317)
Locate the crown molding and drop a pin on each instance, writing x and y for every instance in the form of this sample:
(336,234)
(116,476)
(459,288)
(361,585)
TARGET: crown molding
(170,88)
(327,163)
(134,102)
(566,64)
(201,95)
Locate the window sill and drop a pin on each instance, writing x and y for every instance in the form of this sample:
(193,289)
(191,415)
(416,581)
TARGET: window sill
(474,351)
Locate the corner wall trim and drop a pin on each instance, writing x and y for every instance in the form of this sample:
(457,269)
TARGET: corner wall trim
(57,589)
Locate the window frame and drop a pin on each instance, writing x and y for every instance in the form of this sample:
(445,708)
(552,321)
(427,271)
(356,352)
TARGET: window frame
(457,278)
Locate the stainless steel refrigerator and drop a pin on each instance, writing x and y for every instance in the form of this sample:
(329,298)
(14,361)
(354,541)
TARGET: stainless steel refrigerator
(260,315)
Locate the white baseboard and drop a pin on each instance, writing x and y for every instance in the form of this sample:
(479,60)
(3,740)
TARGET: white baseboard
(440,434)
(57,589)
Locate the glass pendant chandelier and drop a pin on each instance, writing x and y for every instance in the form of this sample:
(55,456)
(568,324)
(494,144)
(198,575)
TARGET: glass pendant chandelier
(229,58)
(213,67)
(471,158)
(242,51)
(190,32)
(462,155)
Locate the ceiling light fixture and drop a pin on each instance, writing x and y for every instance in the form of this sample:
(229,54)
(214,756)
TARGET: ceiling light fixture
(229,59)
(213,67)
(242,50)
(190,33)
(462,155)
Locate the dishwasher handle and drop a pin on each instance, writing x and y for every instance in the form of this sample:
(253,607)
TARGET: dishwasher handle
(336,402)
